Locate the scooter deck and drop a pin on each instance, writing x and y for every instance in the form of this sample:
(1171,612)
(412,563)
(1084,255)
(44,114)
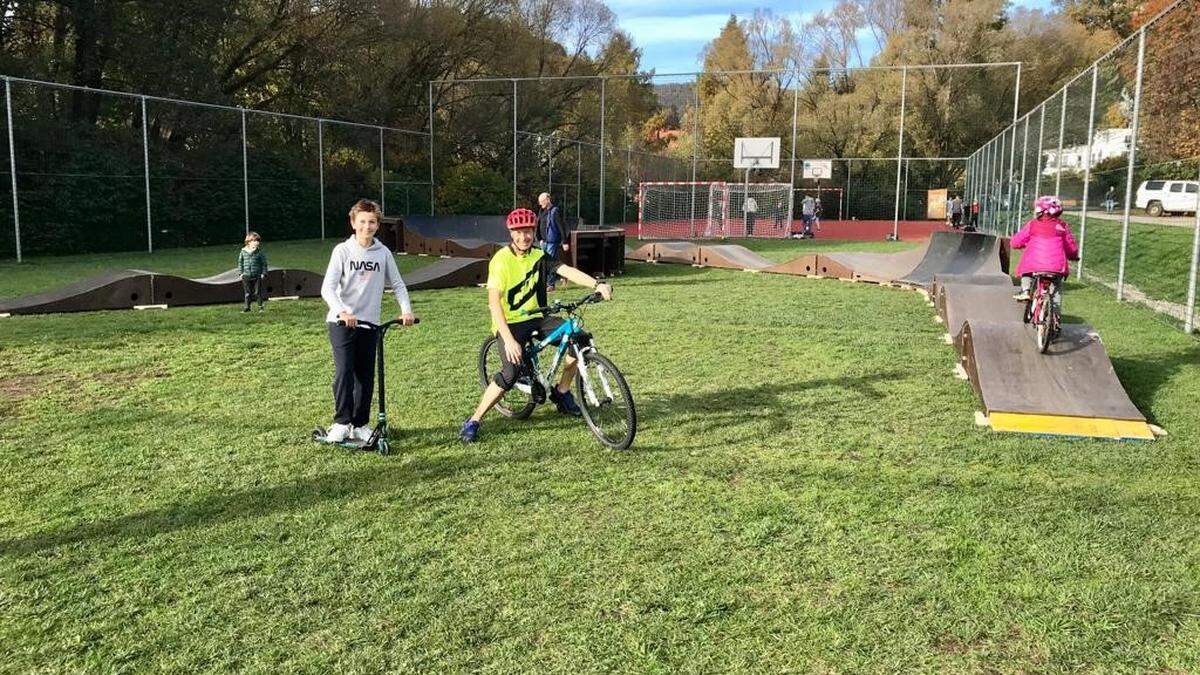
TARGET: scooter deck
(319,435)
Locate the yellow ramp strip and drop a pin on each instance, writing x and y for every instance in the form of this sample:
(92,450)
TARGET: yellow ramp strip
(1061,425)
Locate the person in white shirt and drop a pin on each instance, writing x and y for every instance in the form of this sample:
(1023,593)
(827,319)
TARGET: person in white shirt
(353,288)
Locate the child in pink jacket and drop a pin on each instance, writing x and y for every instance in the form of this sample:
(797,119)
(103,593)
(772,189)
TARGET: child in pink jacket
(1048,246)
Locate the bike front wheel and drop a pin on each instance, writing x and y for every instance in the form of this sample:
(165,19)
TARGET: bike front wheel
(518,402)
(606,401)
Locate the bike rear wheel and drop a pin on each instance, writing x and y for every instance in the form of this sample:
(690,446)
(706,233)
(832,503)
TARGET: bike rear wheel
(516,403)
(608,408)
(1043,324)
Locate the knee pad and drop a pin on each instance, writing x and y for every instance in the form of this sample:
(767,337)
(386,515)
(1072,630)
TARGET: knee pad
(507,376)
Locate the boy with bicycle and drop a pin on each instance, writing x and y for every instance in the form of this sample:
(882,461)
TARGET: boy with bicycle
(517,278)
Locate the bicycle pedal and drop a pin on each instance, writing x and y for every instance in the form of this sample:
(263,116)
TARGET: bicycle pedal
(538,393)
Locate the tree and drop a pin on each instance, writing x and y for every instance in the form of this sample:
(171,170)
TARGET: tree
(1170,105)
(1101,15)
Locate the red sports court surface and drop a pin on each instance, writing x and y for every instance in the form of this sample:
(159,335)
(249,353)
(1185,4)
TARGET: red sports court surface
(836,230)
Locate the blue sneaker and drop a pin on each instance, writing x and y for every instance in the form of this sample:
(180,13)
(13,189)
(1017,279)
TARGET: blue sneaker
(470,431)
(565,402)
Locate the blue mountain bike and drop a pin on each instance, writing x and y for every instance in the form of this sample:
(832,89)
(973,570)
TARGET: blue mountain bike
(600,389)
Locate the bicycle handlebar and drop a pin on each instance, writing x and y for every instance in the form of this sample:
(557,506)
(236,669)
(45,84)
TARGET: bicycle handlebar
(386,324)
(558,306)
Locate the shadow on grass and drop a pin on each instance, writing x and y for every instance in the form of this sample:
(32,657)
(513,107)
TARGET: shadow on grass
(216,508)
(736,406)
(1144,377)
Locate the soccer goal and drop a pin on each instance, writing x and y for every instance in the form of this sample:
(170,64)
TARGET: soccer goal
(709,210)
(829,200)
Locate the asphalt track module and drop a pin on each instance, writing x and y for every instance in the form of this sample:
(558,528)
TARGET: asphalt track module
(1070,390)
(731,256)
(958,253)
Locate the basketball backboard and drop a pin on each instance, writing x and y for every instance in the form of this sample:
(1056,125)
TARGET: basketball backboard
(756,153)
(817,169)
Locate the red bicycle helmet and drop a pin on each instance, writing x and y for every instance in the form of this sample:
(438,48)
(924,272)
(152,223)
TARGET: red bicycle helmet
(519,218)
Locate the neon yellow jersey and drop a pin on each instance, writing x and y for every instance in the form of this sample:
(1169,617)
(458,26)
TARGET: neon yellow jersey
(521,280)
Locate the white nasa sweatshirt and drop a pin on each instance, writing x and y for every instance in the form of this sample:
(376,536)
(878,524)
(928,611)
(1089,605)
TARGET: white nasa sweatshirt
(354,281)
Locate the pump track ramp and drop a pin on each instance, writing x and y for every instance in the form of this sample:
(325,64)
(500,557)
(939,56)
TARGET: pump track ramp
(128,289)
(1071,391)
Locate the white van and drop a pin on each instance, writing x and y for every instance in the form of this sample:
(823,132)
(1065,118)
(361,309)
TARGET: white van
(1168,196)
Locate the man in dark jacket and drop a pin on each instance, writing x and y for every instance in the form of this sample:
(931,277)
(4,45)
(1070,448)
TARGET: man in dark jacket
(552,232)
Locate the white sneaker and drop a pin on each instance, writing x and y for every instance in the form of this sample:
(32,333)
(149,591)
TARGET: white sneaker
(361,434)
(338,433)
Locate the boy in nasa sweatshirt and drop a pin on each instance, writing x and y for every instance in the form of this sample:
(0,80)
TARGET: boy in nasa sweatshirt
(353,288)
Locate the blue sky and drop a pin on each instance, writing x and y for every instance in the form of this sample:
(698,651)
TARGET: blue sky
(671,33)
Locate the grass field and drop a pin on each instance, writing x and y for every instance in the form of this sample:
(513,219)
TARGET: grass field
(807,492)
(1158,261)
(38,274)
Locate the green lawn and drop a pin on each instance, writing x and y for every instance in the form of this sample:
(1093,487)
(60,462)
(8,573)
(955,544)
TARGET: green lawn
(38,274)
(1158,261)
(807,493)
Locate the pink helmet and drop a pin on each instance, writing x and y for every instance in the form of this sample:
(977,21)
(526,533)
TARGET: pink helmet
(1050,205)
(519,218)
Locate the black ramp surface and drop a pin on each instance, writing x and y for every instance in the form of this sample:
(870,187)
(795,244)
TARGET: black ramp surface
(956,253)
(984,279)
(115,290)
(880,267)
(1074,378)
(960,303)
(732,256)
(448,273)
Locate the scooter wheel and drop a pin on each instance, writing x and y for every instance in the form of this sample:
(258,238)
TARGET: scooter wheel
(383,446)
(318,434)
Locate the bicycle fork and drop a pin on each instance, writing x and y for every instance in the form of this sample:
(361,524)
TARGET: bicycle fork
(589,389)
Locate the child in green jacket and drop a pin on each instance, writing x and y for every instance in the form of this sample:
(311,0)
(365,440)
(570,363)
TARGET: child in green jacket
(252,263)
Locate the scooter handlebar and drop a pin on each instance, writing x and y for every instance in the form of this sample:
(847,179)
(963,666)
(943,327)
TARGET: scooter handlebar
(368,324)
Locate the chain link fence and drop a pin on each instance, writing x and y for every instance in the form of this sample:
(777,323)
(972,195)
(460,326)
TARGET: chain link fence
(1120,145)
(94,171)
(572,136)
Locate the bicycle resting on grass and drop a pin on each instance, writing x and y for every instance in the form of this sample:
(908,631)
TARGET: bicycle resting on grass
(517,301)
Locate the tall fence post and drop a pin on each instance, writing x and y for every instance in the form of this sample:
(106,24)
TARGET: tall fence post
(514,108)
(603,82)
(792,187)
(1087,171)
(985,184)
(695,161)
(900,153)
(1037,179)
(1024,161)
(1062,131)
(431,179)
(849,173)
(146,174)
(12,166)
(1001,186)
(1013,203)
(1189,322)
(382,182)
(245,174)
(321,169)
(1133,139)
